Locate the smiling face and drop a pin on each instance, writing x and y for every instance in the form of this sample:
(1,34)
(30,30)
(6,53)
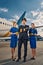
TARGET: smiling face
(24,21)
(14,24)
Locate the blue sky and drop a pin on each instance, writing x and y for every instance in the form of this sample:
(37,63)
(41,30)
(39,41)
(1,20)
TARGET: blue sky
(13,9)
(17,7)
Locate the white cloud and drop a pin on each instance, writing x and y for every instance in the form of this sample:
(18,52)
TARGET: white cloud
(16,17)
(28,19)
(3,9)
(42,4)
(40,16)
(12,20)
(39,20)
(34,13)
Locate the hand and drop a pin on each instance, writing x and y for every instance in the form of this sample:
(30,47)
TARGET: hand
(35,34)
(31,34)
(16,33)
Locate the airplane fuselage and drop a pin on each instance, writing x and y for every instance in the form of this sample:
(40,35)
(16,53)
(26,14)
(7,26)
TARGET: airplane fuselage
(5,27)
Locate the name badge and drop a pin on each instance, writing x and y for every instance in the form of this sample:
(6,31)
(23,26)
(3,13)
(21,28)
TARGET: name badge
(24,29)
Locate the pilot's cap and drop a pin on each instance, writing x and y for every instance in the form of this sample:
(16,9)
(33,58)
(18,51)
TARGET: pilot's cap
(24,19)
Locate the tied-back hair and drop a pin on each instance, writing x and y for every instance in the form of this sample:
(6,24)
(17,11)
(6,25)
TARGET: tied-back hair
(14,22)
(33,24)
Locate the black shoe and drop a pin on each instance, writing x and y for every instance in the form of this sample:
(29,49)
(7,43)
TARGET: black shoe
(13,59)
(18,59)
(24,60)
(32,58)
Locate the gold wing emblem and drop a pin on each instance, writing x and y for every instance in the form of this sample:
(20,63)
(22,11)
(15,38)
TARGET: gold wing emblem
(21,30)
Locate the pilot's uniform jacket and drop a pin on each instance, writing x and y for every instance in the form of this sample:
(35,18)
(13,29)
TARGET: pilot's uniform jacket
(23,38)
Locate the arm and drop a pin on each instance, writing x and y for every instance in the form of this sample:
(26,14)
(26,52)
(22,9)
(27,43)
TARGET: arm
(30,32)
(10,33)
(20,29)
(16,33)
(35,33)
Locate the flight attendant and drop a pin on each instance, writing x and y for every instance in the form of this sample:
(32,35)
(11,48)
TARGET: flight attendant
(23,38)
(33,34)
(13,44)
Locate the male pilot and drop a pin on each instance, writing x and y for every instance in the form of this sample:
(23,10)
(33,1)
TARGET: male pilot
(23,38)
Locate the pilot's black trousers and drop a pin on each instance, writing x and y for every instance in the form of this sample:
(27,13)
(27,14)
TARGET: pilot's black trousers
(20,42)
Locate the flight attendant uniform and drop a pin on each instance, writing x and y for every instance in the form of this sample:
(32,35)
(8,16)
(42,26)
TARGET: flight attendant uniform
(33,38)
(13,43)
(23,38)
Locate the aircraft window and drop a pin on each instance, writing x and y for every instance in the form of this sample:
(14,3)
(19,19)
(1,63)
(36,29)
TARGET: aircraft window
(3,23)
(6,24)
(0,22)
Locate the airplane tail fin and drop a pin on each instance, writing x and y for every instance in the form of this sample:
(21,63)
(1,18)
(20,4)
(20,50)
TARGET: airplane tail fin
(20,19)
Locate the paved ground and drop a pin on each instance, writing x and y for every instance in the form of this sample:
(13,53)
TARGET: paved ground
(5,55)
